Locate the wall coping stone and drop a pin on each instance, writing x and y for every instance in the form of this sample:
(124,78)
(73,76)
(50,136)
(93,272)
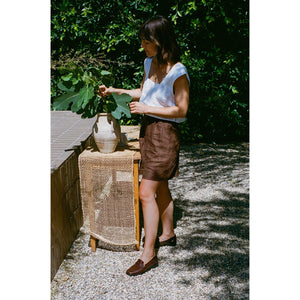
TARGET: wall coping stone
(68,131)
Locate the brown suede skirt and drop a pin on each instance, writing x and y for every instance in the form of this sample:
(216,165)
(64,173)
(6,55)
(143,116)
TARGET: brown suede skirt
(159,146)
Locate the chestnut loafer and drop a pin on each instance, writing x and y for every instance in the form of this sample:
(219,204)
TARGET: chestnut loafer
(169,242)
(139,267)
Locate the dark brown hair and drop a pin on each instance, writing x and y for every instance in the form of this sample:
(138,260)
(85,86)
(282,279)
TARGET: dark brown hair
(160,31)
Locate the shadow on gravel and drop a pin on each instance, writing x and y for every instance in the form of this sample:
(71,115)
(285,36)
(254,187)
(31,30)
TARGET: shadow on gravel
(217,235)
(213,162)
(220,244)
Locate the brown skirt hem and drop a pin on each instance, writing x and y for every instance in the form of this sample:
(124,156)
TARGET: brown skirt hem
(159,146)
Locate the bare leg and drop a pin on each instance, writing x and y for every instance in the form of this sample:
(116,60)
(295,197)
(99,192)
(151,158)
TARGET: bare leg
(148,190)
(166,210)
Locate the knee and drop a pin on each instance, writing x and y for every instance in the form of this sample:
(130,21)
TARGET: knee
(146,195)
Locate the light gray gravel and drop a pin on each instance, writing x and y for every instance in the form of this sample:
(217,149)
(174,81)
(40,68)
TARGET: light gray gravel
(211,260)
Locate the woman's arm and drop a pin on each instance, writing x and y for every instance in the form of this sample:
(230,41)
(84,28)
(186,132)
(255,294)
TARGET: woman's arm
(181,91)
(134,93)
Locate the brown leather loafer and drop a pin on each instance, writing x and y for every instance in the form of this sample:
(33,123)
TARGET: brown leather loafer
(139,267)
(169,242)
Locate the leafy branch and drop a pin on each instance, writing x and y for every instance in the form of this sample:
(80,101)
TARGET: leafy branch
(80,87)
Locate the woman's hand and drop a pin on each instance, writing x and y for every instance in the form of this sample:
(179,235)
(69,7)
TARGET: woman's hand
(137,107)
(105,91)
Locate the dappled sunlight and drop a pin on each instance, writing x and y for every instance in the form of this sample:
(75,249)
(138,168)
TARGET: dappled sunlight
(214,198)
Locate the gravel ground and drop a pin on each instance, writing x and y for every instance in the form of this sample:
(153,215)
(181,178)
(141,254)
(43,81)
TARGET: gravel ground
(211,259)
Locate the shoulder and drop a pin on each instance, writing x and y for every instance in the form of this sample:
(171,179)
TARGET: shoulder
(179,70)
(147,65)
(180,67)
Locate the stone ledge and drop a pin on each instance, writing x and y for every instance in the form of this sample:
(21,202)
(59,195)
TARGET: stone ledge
(68,131)
(69,136)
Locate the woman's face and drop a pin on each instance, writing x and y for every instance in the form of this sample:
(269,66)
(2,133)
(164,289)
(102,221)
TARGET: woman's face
(149,47)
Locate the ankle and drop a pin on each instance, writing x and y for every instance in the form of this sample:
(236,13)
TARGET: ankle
(148,252)
(146,258)
(166,235)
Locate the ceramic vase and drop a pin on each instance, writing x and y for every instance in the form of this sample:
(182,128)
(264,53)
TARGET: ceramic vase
(106,132)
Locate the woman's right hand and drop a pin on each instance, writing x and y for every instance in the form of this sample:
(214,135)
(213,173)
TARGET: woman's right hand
(105,91)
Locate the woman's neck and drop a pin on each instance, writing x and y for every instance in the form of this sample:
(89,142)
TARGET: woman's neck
(163,67)
(159,71)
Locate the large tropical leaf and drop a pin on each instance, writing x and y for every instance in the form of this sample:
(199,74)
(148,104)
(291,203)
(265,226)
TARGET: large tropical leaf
(86,93)
(122,102)
(76,106)
(63,102)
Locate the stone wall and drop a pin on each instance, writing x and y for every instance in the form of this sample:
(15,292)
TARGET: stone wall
(70,135)
(66,212)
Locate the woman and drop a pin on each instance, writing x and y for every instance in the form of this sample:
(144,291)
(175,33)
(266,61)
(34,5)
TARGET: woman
(163,99)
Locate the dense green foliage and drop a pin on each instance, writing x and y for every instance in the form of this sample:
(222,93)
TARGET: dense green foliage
(213,37)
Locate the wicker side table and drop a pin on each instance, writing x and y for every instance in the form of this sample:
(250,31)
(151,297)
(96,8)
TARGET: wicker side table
(109,186)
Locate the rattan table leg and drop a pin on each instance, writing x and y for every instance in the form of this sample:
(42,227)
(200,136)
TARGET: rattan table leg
(93,244)
(136,201)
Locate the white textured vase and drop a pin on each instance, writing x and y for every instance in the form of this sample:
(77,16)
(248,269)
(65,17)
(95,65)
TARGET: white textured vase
(106,132)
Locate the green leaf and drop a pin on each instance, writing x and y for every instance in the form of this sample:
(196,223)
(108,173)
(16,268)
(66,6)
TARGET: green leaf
(95,71)
(76,106)
(86,93)
(67,77)
(104,73)
(122,105)
(75,81)
(62,87)
(110,107)
(63,102)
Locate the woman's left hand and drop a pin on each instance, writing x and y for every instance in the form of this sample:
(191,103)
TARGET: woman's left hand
(137,107)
